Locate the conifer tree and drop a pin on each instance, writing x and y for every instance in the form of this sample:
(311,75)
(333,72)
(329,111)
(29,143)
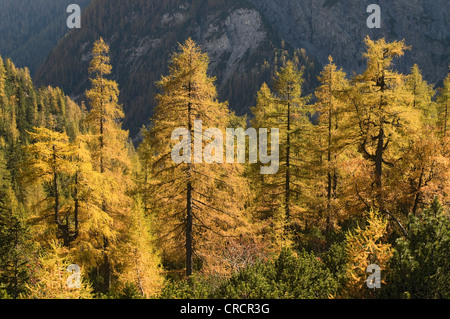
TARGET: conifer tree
(422,94)
(285,109)
(15,248)
(443,107)
(421,171)
(8,121)
(197,203)
(364,247)
(52,277)
(3,99)
(141,265)
(333,135)
(418,268)
(90,220)
(109,148)
(422,174)
(71,203)
(382,117)
(267,201)
(49,164)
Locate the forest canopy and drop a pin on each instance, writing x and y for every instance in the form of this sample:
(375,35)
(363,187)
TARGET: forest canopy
(363,179)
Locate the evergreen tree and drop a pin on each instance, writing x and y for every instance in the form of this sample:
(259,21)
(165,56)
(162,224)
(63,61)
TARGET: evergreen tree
(8,121)
(290,276)
(419,267)
(14,238)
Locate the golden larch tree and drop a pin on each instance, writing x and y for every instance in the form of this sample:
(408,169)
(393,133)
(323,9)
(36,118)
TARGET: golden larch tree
(197,198)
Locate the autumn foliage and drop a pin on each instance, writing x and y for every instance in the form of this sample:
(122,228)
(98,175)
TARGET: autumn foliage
(363,179)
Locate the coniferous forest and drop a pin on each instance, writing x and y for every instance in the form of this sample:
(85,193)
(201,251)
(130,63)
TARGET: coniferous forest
(362,186)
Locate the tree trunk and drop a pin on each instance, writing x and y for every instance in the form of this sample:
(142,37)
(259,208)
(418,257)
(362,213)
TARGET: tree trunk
(380,150)
(379,166)
(55,189)
(189,216)
(418,194)
(189,230)
(288,163)
(446,118)
(76,208)
(329,175)
(106,263)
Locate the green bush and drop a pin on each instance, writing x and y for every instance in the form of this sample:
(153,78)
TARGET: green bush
(196,287)
(336,259)
(288,277)
(420,267)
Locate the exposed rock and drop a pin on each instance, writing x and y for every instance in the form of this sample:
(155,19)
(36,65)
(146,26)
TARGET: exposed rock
(240,33)
(240,37)
(338,28)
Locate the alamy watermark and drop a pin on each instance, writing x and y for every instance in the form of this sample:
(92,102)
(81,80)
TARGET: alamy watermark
(74,279)
(214,151)
(374,280)
(374,20)
(74,20)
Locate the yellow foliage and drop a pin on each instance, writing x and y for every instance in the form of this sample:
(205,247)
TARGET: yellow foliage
(51,278)
(366,246)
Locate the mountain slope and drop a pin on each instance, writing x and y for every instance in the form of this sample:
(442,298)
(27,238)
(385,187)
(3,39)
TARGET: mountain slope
(143,34)
(239,36)
(32,28)
(339,27)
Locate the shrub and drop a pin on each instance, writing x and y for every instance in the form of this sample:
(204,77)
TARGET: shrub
(290,276)
(420,267)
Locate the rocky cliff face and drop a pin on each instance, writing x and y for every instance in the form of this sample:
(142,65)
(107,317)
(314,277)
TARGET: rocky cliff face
(240,33)
(338,28)
(143,34)
(239,36)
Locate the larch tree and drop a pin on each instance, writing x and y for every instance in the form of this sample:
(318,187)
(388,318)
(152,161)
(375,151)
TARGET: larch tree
(53,278)
(142,266)
(421,93)
(366,246)
(421,173)
(71,189)
(49,163)
(333,135)
(444,107)
(285,109)
(196,197)
(383,118)
(91,221)
(267,199)
(109,147)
